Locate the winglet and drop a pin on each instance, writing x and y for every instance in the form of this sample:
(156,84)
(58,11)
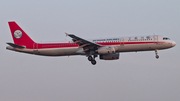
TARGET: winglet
(66,34)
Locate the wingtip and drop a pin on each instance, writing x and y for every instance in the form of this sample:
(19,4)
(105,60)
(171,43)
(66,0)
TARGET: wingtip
(66,34)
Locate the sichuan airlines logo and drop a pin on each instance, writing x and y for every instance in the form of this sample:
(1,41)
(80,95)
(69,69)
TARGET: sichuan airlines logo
(17,34)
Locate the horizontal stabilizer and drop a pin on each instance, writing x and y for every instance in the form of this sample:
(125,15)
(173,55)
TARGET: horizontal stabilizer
(15,46)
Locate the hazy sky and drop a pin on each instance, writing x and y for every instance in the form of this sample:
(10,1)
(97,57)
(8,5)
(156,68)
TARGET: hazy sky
(134,77)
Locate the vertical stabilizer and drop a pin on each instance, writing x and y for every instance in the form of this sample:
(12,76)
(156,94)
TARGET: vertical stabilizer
(19,36)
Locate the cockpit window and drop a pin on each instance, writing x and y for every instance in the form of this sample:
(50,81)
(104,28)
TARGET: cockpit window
(166,38)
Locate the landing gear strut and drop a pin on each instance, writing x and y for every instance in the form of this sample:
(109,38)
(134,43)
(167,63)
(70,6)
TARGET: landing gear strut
(156,52)
(93,61)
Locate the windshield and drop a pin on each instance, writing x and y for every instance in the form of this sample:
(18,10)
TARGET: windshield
(166,38)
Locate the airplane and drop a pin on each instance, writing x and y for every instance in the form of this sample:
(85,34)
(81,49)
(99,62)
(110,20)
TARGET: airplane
(106,49)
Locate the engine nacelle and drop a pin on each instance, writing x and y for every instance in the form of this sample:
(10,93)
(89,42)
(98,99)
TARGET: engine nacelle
(106,50)
(109,56)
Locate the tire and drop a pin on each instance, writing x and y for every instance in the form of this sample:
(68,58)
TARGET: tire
(93,62)
(157,56)
(90,58)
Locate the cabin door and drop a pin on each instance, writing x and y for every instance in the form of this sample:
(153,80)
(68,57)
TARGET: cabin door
(155,38)
(35,48)
(121,41)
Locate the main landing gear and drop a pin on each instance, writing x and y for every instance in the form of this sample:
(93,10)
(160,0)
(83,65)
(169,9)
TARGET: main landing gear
(156,52)
(93,61)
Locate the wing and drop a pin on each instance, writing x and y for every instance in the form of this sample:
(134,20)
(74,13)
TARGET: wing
(85,44)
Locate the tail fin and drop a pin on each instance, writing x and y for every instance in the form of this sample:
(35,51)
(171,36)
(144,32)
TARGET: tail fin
(19,36)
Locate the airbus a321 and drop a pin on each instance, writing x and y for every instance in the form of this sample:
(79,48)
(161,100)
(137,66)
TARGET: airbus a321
(106,49)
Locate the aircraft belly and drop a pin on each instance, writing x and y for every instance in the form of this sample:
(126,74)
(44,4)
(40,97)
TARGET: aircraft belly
(58,51)
(163,45)
(137,47)
(143,47)
(49,52)
(71,51)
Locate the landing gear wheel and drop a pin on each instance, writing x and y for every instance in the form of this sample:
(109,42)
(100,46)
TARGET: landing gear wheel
(90,58)
(157,56)
(93,62)
(156,52)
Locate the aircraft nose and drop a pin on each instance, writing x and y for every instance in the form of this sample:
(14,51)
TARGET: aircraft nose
(173,43)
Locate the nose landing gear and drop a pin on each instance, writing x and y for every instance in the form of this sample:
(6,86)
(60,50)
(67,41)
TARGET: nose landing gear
(93,61)
(156,52)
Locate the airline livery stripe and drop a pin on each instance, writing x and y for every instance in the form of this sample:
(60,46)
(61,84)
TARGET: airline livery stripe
(68,45)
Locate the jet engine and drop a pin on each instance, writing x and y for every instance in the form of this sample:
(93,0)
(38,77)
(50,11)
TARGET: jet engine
(114,56)
(106,50)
